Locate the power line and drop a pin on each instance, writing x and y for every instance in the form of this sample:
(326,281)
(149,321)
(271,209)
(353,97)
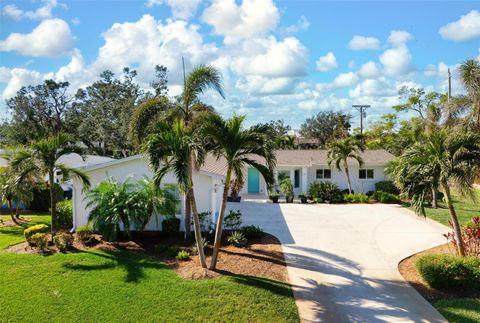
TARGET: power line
(361,108)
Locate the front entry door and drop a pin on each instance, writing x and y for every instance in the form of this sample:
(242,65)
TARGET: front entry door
(253,180)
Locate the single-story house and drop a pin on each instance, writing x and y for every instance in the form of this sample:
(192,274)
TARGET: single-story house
(302,166)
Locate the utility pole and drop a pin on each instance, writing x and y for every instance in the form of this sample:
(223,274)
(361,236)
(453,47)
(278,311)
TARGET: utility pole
(361,108)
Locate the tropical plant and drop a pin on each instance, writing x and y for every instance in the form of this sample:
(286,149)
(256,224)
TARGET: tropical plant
(470,237)
(252,232)
(240,148)
(233,220)
(287,187)
(159,200)
(182,255)
(42,158)
(340,151)
(324,191)
(451,159)
(237,239)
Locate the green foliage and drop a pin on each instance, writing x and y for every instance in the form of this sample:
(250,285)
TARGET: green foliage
(182,255)
(252,232)
(41,198)
(39,228)
(303,195)
(65,214)
(459,310)
(203,245)
(385,197)
(237,239)
(63,241)
(444,271)
(387,186)
(317,200)
(326,127)
(355,198)
(325,191)
(171,251)
(85,234)
(171,224)
(39,240)
(233,220)
(287,187)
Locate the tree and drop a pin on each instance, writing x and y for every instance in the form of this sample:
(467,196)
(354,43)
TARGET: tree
(240,148)
(419,101)
(43,156)
(278,132)
(340,151)
(177,149)
(326,127)
(158,200)
(443,158)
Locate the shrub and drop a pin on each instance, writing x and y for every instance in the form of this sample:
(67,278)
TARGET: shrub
(39,240)
(369,193)
(172,251)
(85,234)
(443,271)
(287,187)
(41,198)
(274,197)
(171,224)
(39,228)
(385,197)
(252,232)
(63,241)
(203,243)
(325,191)
(182,255)
(65,214)
(233,220)
(237,239)
(470,237)
(355,198)
(387,186)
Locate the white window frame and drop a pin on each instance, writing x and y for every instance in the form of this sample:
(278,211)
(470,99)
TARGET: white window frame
(323,173)
(366,174)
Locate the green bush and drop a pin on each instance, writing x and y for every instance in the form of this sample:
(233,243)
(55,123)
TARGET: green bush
(237,239)
(252,232)
(233,220)
(85,234)
(39,240)
(385,197)
(171,224)
(443,271)
(326,191)
(63,241)
(387,186)
(317,200)
(172,251)
(203,243)
(39,228)
(65,214)
(355,198)
(182,255)
(41,198)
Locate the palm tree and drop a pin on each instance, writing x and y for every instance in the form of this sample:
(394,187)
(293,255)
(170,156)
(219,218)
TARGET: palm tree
(340,151)
(177,149)
(43,156)
(239,148)
(444,158)
(187,107)
(159,201)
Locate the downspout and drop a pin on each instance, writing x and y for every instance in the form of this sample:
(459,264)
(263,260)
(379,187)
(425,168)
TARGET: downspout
(74,218)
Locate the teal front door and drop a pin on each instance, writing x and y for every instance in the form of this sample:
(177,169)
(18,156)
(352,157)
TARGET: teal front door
(253,180)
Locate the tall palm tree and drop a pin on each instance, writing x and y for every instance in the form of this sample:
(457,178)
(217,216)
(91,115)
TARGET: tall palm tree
(43,156)
(340,151)
(175,148)
(159,201)
(446,158)
(187,107)
(239,148)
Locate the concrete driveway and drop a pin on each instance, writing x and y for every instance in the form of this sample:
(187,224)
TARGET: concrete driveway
(343,259)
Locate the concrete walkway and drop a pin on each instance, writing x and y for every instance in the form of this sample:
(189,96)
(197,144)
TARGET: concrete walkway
(343,259)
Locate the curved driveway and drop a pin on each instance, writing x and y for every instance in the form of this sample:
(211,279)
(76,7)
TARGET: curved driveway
(342,259)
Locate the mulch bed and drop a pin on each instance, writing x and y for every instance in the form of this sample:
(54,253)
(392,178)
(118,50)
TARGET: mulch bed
(262,257)
(411,275)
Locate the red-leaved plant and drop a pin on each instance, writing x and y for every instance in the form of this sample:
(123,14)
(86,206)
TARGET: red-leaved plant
(470,237)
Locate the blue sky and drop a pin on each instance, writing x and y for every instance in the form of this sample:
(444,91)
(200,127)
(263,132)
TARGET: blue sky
(280,60)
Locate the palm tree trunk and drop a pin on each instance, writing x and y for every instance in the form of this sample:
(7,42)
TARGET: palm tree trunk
(434,197)
(348,177)
(198,233)
(53,202)
(17,211)
(456,225)
(10,207)
(218,232)
(188,218)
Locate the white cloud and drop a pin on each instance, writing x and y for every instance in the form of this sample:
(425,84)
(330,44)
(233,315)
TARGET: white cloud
(368,70)
(302,24)
(436,71)
(345,79)
(16,78)
(399,37)
(51,38)
(13,12)
(465,28)
(373,88)
(327,62)
(233,22)
(183,9)
(397,61)
(259,85)
(362,42)
(75,21)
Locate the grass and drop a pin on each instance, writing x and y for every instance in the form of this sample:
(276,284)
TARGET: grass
(13,235)
(127,286)
(461,310)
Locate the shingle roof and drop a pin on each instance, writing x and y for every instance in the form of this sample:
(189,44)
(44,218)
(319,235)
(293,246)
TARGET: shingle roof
(72,160)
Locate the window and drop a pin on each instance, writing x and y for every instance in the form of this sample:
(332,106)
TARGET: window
(297,178)
(324,174)
(366,174)
(172,188)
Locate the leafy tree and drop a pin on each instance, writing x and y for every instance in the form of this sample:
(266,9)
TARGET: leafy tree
(340,151)
(278,132)
(447,158)
(326,127)
(42,157)
(240,148)
(417,100)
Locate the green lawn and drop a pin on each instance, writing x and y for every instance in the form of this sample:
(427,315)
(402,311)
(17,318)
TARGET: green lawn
(13,235)
(460,310)
(127,286)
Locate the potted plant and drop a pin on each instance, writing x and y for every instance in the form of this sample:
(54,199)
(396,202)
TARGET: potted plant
(235,188)
(303,197)
(287,188)
(274,197)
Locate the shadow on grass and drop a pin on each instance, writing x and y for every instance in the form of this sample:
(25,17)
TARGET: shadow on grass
(134,264)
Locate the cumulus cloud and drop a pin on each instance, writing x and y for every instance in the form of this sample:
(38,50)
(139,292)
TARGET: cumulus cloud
(369,70)
(51,38)
(327,62)
(260,85)
(11,11)
(16,78)
(183,9)
(436,71)
(235,22)
(362,43)
(396,61)
(302,24)
(399,37)
(345,79)
(373,88)
(465,28)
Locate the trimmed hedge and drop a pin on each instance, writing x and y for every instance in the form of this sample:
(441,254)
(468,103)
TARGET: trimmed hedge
(39,228)
(39,240)
(65,214)
(387,186)
(385,197)
(325,191)
(444,271)
(63,241)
